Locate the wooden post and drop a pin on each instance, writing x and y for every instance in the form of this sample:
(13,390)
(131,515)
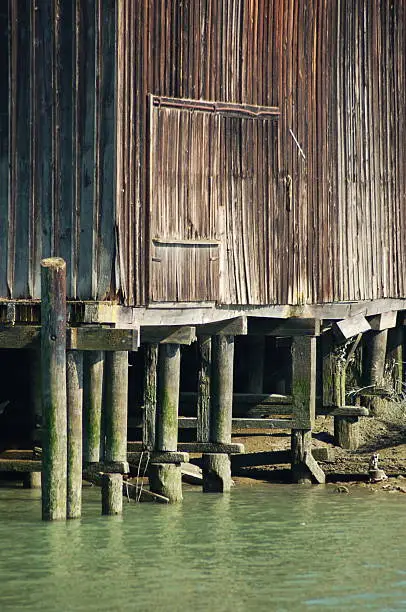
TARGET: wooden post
(93,365)
(116,405)
(346,429)
(222,389)
(74,387)
(166,478)
(254,359)
(53,366)
(33,479)
(168,397)
(203,394)
(394,356)
(375,356)
(112,494)
(216,468)
(304,404)
(216,473)
(150,391)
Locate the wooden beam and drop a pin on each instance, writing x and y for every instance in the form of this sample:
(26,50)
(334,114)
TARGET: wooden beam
(283,328)
(385,320)
(347,328)
(195,447)
(344,411)
(102,339)
(20,465)
(230,327)
(77,338)
(163,334)
(317,473)
(136,457)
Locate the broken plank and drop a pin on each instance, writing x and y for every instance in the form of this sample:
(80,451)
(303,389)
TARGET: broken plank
(191,473)
(347,328)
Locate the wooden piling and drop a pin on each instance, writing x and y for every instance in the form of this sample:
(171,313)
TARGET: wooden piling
(222,389)
(216,473)
(53,367)
(375,356)
(150,395)
(217,467)
(166,479)
(35,395)
(304,404)
(74,387)
(32,480)
(301,443)
(93,366)
(112,494)
(168,397)
(204,389)
(116,405)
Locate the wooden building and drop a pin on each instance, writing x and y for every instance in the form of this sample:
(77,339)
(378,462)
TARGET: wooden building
(194,161)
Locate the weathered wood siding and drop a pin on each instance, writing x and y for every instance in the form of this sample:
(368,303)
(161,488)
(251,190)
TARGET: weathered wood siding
(61,147)
(310,207)
(333,228)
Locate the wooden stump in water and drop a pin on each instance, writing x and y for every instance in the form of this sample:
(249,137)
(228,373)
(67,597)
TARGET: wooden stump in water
(216,473)
(112,494)
(166,479)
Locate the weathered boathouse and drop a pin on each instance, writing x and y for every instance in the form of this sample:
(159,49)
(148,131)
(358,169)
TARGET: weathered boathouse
(223,179)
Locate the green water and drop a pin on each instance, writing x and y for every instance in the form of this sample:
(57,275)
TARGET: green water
(267,547)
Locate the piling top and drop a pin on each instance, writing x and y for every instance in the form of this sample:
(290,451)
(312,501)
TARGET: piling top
(53,262)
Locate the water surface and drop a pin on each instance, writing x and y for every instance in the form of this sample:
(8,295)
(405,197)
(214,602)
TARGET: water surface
(266,547)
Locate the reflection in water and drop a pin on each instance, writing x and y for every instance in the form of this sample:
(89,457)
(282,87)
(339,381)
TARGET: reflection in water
(260,548)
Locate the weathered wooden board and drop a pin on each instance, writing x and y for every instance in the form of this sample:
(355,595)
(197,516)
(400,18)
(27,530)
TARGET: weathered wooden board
(386,320)
(347,328)
(168,334)
(78,338)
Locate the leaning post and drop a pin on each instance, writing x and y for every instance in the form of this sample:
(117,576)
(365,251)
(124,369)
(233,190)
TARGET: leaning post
(166,478)
(53,367)
(217,466)
(74,382)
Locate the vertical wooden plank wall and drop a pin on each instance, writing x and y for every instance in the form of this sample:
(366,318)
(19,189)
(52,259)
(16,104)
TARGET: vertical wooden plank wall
(333,219)
(61,146)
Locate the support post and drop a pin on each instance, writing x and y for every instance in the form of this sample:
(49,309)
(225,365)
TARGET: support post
(255,356)
(168,397)
(346,429)
(203,394)
(93,365)
(216,468)
(394,356)
(112,494)
(304,407)
(375,356)
(53,367)
(32,480)
(116,406)
(150,391)
(166,479)
(74,388)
